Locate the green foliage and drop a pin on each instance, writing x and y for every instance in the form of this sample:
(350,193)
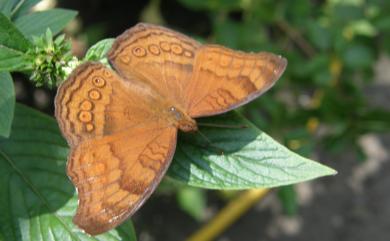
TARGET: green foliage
(23,7)
(13,44)
(7,103)
(239,158)
(50,61)
(30,48)
(288,198)
(55,20)
(193,201)
(11,37)
(213,4)
(37,199)
(15,8)
(12,60)
(98,51)
(332,47)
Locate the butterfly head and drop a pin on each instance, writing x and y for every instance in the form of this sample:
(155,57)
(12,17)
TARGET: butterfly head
(183,121)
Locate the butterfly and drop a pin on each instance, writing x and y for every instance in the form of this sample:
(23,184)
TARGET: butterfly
(121,124)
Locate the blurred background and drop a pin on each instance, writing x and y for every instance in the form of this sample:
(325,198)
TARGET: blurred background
(331,105)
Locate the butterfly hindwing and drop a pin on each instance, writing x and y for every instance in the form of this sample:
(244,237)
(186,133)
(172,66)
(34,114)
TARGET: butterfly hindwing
(116,174)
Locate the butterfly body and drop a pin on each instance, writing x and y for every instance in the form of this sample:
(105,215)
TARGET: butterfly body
(182,121)
(122,124)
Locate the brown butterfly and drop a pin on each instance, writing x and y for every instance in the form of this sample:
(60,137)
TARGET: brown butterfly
(122,125)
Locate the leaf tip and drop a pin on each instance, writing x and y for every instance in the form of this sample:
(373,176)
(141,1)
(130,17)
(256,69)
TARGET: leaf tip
(327,171)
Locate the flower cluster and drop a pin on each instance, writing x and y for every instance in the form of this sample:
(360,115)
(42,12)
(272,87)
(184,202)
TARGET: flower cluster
(50,59)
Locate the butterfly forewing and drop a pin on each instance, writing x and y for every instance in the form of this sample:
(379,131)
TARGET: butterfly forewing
(158,56)
(94,102)
(224,79)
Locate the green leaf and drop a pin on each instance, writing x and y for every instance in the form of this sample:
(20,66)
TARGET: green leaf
(10,36)
(239,158)
(288,197)
(7,103)
(38,22)
(12,60)
(37,199)
(363,27)
(213,5)
(319,35)
(6,6)
(358,56)
(24,7)
(98,52)
(193,201)
(248,37)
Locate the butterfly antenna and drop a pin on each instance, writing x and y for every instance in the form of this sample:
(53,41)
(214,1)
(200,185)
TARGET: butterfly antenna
(209,142)
(223,125)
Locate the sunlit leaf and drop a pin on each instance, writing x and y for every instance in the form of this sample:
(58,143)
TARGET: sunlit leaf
(239,158)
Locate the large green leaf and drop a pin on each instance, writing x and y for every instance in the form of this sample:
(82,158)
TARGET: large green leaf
(24,6)
(38,22)
(7,103)
(239,158)
(37,201)
(6,6)
(10,36)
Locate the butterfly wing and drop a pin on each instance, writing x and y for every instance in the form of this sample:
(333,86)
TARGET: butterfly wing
(116,174)
(95,102)
(120,145)
(224,79)
(160,57)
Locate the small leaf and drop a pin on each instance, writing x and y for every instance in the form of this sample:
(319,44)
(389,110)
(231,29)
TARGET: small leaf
(239,158)
(37,199)
(55,19)
(98,52)
(7,103)
(10,36)
(12,60)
